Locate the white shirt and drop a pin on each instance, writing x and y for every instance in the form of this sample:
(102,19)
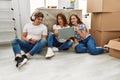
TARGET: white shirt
(56,27)
(35,32)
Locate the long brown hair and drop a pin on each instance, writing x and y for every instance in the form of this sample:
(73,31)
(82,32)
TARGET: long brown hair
(65,23)
(78,20)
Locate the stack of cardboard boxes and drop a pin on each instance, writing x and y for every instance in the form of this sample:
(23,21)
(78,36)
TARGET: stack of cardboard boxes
(105,23)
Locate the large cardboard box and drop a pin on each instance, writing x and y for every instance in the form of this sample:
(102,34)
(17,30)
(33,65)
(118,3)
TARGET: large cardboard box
(106,21)
(102,37)
(103,5)
(114,46)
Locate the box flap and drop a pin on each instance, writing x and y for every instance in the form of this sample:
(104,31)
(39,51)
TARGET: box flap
(114,44)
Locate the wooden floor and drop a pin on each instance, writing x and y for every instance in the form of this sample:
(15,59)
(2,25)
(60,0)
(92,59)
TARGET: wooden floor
(66,65)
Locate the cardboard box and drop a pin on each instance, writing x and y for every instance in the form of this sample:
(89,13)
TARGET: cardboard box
(114,46)
(106,21)
(102,37)
(92,32)
(103,5)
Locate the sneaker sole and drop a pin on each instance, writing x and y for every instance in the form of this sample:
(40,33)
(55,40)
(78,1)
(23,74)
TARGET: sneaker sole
(21,64)
(49,57)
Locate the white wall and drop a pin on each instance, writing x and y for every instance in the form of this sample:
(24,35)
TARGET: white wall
(24,11)
(51,3)
(76,4)
(21,13)
(63,3)
(17,18)
(36,4)
(42,4)
(83,5)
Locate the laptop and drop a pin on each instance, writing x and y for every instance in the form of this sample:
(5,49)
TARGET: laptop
(66,33)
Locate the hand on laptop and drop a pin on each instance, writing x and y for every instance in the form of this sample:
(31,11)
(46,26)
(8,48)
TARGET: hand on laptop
(82,33)
(55,32)
(76,29)
(67,39)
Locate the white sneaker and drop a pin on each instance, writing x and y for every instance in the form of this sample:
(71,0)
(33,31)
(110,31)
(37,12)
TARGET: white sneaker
(23,62)
(20,61)
(105,46)
(50,53)
(55,49)
(98,47)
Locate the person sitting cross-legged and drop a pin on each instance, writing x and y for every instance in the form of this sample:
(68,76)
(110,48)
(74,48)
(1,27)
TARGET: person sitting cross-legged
(33,39)
(54,43)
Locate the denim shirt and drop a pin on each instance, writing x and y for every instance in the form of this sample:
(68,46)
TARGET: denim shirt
(82,27)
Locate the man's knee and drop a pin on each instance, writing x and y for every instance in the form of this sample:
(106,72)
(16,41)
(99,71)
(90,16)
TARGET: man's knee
(42,41)
(14,41)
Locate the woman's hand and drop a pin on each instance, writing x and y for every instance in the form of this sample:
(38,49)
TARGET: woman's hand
(55,32)
(67,39)
(81,33)
(77,29)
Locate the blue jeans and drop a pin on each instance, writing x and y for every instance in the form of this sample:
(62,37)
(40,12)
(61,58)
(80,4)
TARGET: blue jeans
(88,45)
(53,42)
(19,45)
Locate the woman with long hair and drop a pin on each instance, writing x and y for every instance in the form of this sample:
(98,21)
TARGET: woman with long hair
(54,43)
(86,42)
